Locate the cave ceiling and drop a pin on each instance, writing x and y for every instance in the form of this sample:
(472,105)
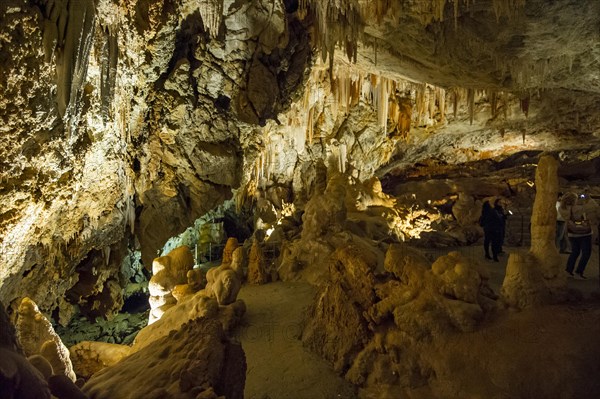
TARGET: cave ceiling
(125,120)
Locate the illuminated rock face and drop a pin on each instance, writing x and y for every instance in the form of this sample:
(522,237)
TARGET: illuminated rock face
(167,272)
(153,135)
(368,324)
(123,126)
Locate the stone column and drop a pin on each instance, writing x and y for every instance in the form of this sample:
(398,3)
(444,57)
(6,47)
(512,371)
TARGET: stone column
(535,278)
(543,218)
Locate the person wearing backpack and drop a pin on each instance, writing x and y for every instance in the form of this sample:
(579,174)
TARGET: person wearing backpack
(579,232)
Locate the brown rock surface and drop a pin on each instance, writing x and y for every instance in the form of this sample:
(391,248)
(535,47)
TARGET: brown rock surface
(195,360)
(37,337)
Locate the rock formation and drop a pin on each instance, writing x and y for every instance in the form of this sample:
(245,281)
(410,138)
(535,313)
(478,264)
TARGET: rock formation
(89,357)
(536,277)
(167,272)
(165,369)
(369,327)
(18,377)
(37,337)
(224,282)
(124,122)
(257,273)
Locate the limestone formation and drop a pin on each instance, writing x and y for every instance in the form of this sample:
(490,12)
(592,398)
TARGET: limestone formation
(224,286)
(230,246)
(167,272)
(543,218)
(199,305)
(524,284)
(257,273)
(373,195)
(37,337)
(42,365)
(18,377)
(536,278)
(239,261)
(223,282)
(369,328)
(89,357)
(217,367)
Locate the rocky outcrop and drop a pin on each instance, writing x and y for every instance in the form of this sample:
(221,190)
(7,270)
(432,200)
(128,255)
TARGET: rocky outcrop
(167,272)
(370,326)
(151,137)
(89,357)
(37,337)
(216,369)
(257,273)
(18,377)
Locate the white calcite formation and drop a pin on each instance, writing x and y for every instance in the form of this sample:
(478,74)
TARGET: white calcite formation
(167,272)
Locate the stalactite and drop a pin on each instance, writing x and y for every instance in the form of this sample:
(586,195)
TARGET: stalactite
(420,101)
(211,12)
(106,254)
(508,8)
(131,215)
(343,151)
(108,76)
(441,95)
(72,59)
(471,103)
(431,103)
(455,102)
(493,97)
(525,105)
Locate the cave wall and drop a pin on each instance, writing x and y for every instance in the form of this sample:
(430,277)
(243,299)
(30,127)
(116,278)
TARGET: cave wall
(129,140)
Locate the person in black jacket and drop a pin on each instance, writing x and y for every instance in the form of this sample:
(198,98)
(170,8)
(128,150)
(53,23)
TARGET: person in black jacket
(503,216)
(491,222)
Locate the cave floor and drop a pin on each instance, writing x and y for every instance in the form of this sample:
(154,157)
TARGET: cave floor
(278,365)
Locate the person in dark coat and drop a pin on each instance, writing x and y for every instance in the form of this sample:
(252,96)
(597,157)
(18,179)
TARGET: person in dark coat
(491,222)
(503,216)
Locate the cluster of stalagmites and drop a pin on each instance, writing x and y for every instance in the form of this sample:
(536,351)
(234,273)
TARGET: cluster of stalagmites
(368,322)
(185,352)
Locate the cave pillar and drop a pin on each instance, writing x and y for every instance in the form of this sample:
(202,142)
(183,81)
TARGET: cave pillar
(543,218)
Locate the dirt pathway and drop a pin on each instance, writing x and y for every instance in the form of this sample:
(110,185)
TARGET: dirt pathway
(278,365)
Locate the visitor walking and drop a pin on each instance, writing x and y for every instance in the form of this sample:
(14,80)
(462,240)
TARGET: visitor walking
(563,205)
(579,232)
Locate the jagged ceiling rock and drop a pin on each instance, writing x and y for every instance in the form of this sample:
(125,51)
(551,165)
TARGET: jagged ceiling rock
(516,45)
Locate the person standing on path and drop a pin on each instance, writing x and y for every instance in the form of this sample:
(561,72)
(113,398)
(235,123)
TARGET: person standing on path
(492,227)
(579,232)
